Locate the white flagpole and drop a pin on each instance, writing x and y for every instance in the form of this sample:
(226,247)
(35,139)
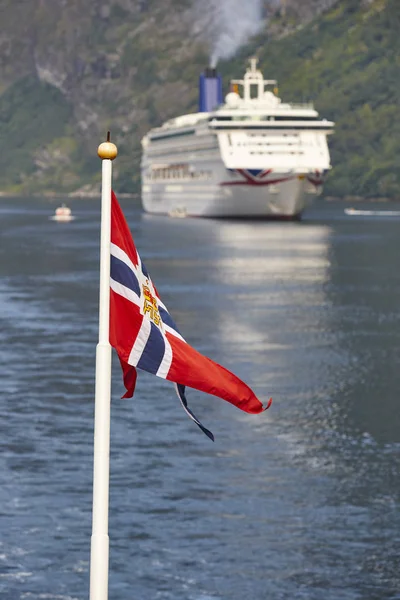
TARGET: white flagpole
(101,467)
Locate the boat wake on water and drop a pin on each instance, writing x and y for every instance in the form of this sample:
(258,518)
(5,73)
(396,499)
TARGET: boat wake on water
(372,213)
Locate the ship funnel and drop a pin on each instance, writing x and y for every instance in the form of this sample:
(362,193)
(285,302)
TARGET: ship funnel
(210,90)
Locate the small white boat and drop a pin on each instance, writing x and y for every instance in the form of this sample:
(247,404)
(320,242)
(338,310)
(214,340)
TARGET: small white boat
(63,213)
(372,213)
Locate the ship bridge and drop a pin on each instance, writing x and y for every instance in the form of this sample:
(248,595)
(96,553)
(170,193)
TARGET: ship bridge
(256,98)
(253,83)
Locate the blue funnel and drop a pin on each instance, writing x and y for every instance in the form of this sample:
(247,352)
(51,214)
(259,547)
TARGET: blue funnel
(210,90)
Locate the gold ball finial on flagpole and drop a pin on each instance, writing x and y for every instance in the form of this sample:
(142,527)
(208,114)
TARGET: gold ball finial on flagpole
(107,150)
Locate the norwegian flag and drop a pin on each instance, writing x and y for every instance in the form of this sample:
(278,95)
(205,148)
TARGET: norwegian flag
(145,336)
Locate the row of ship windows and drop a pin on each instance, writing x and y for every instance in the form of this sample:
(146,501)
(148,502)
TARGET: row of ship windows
(275,152)
(261,139)
(177,173)
(271,145)
(283,152)
(157,152)
(267,137)
(262,118)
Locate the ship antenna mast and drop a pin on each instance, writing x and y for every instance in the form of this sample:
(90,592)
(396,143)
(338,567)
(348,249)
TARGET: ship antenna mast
(253,63)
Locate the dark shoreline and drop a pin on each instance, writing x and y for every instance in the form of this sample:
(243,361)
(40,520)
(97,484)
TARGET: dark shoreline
(88,195)
(72,195)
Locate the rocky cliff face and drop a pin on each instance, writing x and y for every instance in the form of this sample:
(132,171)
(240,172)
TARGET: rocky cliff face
(98,54)
(119,64)
(124,54)
(123,65)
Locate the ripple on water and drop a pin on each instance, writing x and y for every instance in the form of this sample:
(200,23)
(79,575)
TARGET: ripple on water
(300,502)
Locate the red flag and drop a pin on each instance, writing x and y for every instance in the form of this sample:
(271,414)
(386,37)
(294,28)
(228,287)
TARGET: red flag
(145,336)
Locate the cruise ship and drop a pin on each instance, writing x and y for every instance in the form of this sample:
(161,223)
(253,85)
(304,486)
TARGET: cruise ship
(248,156)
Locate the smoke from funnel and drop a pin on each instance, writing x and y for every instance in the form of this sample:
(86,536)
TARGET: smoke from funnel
(235,21)
(227,25)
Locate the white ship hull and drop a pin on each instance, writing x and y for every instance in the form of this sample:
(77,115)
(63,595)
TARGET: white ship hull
(221,198)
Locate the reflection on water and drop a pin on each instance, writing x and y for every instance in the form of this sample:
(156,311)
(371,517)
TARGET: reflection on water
(300,502)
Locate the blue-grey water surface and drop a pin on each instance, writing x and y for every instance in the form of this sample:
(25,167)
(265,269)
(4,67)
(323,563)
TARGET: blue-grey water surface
(299,502)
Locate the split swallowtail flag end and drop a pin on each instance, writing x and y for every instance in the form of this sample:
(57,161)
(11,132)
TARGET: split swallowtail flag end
(145,336)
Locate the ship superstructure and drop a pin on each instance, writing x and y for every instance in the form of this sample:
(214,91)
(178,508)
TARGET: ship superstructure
(250,156)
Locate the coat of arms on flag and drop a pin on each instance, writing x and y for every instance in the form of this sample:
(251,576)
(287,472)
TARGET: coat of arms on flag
(146,337)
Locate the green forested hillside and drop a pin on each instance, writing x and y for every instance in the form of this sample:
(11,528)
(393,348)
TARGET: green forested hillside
(348,63)
(127,71)
(37,138)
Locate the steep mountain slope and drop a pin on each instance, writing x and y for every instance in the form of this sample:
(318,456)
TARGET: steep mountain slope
(71,69)
(120,64)
(348,63)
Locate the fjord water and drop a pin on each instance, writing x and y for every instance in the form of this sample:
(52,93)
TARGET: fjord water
(299,502)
